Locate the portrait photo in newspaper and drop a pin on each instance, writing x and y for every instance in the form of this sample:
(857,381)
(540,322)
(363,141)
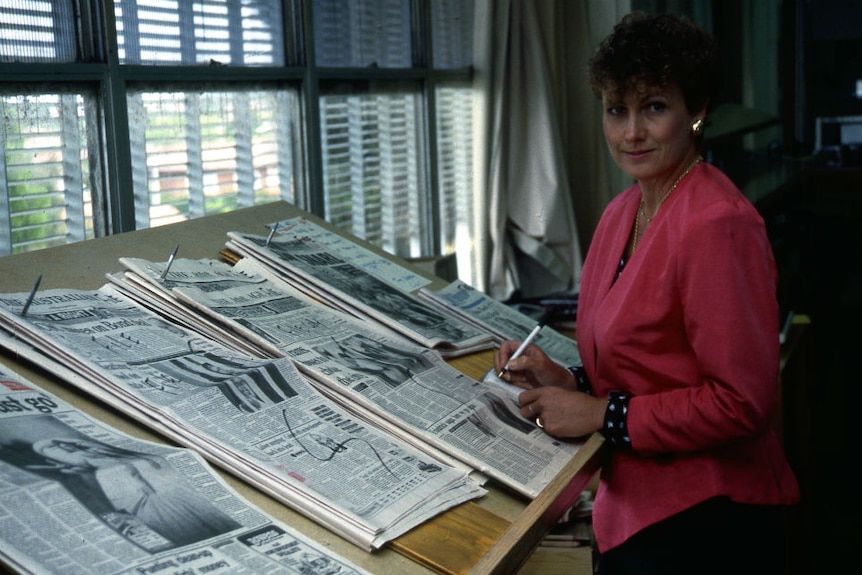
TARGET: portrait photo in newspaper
(139,495)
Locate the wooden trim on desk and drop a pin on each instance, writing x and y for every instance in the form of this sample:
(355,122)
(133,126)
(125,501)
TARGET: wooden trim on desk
(515,545)
(471,540)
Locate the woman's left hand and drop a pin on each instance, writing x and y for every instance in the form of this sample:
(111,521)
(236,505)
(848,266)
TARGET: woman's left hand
(562,412)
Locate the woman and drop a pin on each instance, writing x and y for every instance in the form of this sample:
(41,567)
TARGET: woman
(142,486)
(677,328)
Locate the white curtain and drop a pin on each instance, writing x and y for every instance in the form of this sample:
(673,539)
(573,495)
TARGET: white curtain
(534,247)
(539,130)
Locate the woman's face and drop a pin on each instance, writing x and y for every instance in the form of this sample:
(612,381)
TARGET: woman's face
(76,452)
(648,132)
(62,451)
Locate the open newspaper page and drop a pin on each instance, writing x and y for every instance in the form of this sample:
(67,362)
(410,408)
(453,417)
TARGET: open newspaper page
(325,275)
(405,383)
(501,320)
(82,498)
(260,419)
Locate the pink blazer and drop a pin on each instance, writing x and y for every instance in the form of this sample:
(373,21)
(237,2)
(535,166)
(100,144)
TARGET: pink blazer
(690,330)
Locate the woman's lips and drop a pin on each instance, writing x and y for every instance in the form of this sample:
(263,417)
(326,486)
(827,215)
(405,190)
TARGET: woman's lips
(637,153)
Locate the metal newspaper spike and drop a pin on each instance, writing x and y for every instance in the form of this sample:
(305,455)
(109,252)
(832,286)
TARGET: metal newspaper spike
(31,296)
(170,262)
(271,233)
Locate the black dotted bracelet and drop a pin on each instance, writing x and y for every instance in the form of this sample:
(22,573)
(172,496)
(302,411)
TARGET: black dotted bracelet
(581,379)
(615,429)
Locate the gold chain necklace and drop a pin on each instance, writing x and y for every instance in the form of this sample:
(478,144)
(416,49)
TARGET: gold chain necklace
(641,212)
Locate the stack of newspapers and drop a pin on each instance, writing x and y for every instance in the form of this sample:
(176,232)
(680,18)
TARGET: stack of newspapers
(362,285)
(81,498)
(326,266)
(323,382)
(257,418)
(405,388)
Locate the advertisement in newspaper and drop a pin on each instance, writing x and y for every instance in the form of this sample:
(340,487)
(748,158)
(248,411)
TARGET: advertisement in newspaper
(396,379)
(82,498)
(259,418)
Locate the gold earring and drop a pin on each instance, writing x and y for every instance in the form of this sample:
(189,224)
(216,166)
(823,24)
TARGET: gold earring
(697,127)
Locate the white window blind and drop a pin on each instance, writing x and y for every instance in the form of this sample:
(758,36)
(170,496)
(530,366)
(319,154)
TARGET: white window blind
(452,33)
(200,153)
(455,168)
(37,31)
(371,167)
(374,185)
(363,33)
(47,174)
(45,143)
(189,32)
(452,41)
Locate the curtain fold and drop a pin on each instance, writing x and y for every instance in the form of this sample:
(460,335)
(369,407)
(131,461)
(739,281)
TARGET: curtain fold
(534,248)
(544,174)
(597,177)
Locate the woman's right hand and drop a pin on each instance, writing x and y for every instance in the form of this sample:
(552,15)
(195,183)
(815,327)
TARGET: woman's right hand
(531,369)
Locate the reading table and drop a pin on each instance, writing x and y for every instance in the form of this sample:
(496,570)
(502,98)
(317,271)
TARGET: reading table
(494,534)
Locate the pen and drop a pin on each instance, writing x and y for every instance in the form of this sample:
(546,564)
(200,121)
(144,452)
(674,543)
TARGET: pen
(170,261)
(527,341)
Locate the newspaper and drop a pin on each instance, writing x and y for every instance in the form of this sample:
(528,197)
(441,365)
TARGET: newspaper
(398,276)
(501,320)
(258,418)
(375,371)
(331,278)
(82,498)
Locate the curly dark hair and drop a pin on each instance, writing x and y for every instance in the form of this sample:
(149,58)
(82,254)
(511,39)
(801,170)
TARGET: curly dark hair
(659,50)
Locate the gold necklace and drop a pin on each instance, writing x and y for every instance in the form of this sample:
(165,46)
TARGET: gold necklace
(641,212)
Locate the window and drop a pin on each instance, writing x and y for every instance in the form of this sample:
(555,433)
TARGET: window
(207,152)
(47,144)
(156,111)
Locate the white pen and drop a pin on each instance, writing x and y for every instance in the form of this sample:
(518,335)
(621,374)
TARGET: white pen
(527,341)
(170,263)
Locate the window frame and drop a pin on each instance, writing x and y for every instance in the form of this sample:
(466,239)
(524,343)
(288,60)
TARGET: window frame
(98,65)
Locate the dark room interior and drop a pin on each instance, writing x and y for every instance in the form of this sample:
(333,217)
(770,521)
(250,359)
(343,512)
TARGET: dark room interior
(808,187)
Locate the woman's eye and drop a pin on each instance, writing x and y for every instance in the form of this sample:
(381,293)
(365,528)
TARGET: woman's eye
(615,110)
(656,106)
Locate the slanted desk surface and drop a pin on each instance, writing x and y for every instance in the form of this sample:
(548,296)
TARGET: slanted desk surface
(491,535)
